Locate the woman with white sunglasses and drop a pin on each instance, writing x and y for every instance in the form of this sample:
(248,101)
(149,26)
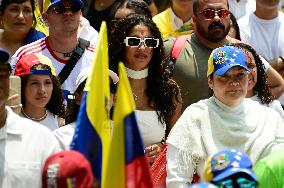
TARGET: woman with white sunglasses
(137,42)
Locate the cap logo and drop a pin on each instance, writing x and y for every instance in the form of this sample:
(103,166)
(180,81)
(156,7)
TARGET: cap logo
(221,57)
(52,172)
(220,162)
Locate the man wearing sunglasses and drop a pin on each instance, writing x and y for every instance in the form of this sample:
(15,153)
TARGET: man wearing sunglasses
(211,25)
(63,19)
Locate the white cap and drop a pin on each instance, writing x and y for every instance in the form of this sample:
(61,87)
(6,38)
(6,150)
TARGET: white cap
(86,71)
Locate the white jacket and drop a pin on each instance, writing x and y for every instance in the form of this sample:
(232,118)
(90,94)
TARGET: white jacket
(208,126)
(24,147)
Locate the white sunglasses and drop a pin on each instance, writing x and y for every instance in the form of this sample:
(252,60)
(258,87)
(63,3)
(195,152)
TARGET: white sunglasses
(136,41)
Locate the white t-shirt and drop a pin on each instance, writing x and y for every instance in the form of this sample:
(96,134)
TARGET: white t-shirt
(87,32)
(244,7)
(64,135)
(265,36)
(51,121)
(24,147)
(42,46)
(241,8)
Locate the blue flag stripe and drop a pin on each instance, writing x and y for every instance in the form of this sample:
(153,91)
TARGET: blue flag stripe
(87,141)
(133,141)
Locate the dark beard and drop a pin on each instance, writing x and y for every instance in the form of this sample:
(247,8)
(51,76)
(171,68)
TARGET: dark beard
(211,35)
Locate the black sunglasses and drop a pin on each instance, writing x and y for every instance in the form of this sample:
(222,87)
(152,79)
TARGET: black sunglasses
(60,9)
(210,13)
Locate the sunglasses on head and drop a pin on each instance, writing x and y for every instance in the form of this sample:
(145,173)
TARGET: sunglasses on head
(210,13)
(136,41)
(60,9)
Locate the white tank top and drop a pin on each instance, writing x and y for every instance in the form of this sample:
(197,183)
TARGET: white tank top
(151,129)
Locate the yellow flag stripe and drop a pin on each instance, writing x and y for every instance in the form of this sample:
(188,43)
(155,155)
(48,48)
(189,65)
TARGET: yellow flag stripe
(97,86)
(124,105)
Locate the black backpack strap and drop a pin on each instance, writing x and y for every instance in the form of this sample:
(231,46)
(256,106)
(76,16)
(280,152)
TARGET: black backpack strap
(76,55)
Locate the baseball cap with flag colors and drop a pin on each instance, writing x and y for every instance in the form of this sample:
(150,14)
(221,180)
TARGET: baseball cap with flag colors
(227,163)
(224,58)
(67,169)
(50,3)
(25,65)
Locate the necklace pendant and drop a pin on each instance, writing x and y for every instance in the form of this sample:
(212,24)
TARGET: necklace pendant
(135,97)
(68,54)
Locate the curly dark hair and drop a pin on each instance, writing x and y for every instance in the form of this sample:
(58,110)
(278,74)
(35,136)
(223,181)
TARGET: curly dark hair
(261,88)
(160,90)
(139,7)
(56,103)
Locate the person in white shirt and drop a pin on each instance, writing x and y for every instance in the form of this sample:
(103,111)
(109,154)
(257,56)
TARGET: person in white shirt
(227,120)
(42,97)
(263,31)
(87,32)
(24,144)
(240,8)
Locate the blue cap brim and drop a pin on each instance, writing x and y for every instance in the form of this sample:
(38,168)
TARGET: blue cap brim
(232,171)
(223,70)
(40,72)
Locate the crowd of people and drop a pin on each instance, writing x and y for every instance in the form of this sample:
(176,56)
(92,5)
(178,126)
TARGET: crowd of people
(206,78)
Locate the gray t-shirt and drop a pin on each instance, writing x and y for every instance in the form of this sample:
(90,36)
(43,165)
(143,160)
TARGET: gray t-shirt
(190,71)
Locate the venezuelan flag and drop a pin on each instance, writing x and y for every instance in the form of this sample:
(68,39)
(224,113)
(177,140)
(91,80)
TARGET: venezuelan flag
(127,165)
(92,132)
(39,30)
